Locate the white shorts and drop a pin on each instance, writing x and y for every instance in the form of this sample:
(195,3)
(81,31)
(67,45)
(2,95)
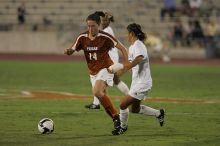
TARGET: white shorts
(103,75)
(138,91)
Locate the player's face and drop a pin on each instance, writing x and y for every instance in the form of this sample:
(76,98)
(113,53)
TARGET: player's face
(130,35)
(93,27)
(105,22)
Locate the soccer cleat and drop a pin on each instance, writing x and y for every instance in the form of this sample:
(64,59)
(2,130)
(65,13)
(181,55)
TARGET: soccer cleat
(117,122)
(92,106)
(117,131)
(161,117)
(124,129)
(117,127)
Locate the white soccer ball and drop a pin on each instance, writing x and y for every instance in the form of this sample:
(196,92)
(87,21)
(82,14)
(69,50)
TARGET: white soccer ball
(46,126)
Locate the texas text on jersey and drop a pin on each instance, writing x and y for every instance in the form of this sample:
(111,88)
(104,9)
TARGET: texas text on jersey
(96,51)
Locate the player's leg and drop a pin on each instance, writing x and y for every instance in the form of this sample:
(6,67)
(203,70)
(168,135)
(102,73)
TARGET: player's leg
(124,111)
(139,93)
(96,101)
(136,108)
(99,91)
(120,85)
(95,104)
(149,111)
(143,109)
(104,79)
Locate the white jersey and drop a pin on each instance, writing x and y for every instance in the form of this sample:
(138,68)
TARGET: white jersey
(113,53)
(141,72)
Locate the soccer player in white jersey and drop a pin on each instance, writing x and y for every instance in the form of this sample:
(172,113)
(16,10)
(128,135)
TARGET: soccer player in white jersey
(141,80)
(106,19)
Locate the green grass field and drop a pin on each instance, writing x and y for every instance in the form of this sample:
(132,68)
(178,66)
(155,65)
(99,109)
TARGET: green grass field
(186,124)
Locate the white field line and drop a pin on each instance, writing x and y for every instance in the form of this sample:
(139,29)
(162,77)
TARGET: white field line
(26,93)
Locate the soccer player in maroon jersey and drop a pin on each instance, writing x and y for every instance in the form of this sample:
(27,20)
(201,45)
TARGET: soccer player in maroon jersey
(96,45)
(106,18)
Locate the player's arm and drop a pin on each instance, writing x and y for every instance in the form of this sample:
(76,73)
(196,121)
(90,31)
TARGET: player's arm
(118,66)
(124,52)
(75,47)
(69,51)
(136,61)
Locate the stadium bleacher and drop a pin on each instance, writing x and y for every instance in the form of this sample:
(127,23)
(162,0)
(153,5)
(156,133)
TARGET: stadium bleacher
(68,16)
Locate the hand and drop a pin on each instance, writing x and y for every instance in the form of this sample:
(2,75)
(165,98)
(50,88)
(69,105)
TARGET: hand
(68,51)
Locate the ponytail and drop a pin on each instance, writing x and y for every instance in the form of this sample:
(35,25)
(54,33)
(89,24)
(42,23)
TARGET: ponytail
(109,16)
(136,29)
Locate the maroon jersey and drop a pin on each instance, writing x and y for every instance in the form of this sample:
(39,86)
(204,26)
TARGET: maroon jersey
(96,51)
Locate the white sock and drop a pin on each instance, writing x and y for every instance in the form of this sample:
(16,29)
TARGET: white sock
(149,111)
(96,101)
(123,87)
(124,117)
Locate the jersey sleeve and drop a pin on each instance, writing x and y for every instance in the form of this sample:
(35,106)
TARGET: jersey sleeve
(113,41)
(77,46)
(111,38)
(139,50)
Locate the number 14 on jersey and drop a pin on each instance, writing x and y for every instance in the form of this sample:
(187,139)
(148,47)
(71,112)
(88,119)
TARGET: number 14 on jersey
(93,56)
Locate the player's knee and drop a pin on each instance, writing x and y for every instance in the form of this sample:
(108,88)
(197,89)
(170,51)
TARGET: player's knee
(123,106)
(135,110)
(99,94)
